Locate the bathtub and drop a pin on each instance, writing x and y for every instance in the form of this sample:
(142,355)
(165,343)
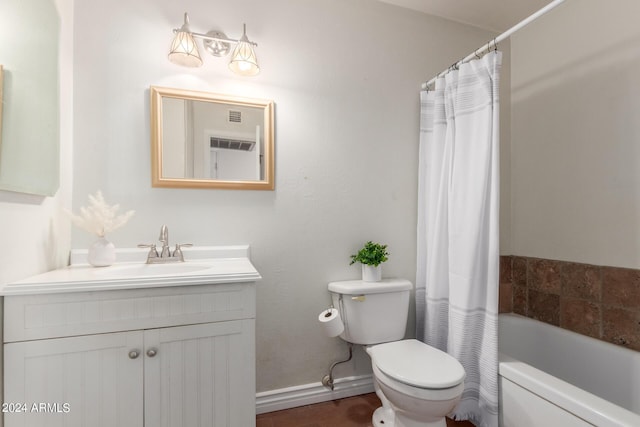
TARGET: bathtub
(551,377)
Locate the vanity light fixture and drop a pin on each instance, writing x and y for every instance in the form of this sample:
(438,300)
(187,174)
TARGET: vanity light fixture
(184,50)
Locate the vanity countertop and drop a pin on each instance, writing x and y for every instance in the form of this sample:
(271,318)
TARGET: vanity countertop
(203,265)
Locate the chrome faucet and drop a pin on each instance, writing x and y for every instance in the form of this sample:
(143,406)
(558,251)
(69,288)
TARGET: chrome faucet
(165,254)
(164,239)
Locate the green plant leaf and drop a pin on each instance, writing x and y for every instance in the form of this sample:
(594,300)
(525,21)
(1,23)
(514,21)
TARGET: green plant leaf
(371,254)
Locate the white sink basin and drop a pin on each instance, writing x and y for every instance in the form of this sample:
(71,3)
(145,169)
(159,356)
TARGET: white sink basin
(147,270)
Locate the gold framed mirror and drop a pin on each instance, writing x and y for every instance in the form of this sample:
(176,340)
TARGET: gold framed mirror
(207,140)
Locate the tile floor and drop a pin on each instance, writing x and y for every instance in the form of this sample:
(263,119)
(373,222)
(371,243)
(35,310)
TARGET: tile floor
(350,412)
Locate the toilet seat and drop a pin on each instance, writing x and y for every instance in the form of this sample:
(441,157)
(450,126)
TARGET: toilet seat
(422,394)
(417,364)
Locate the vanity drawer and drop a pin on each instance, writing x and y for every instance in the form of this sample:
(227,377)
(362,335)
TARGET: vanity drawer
(30,317)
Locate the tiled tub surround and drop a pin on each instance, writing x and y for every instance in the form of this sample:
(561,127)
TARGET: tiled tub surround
(597,301)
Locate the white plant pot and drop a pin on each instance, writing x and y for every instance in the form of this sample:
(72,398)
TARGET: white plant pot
(371,273)
(102,253)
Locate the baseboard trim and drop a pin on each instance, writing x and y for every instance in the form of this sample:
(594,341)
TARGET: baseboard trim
(307,394)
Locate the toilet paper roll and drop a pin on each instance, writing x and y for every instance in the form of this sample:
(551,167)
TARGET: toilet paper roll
(331,322)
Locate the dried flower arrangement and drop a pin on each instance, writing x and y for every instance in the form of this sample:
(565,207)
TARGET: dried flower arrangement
(99,218)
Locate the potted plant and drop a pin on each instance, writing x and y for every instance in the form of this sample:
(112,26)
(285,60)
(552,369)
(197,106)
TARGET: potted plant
(371,256)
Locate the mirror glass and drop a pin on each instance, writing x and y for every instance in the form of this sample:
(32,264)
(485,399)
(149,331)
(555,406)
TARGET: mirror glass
(29,142)
(206,140)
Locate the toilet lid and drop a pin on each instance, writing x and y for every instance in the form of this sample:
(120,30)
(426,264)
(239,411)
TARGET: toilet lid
(417,364)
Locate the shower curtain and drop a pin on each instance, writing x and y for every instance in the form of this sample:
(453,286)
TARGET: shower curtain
(458,205)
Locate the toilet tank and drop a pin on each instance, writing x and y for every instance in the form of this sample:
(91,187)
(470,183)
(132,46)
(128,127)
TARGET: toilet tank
(372,312)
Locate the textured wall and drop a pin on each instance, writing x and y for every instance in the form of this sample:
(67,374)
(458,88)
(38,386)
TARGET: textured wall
(344,76)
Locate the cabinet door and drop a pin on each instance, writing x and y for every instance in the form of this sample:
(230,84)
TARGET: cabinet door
(75,382)
(201,375)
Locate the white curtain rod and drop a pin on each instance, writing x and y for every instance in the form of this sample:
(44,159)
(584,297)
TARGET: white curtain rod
(476,53)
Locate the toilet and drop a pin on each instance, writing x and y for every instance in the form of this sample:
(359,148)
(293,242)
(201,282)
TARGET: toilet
(417,384)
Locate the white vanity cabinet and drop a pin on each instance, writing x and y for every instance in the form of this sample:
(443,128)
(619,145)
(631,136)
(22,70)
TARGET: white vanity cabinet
(90,377)
(169,356)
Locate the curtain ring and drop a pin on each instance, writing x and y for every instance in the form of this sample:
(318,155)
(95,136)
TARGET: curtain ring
(495,45)
(475,52)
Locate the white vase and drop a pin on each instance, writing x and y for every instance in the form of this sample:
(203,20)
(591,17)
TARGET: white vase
(371,273)
(102,253)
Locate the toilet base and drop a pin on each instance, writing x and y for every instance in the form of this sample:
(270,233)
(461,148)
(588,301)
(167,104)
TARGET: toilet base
(386,417)
(383,417)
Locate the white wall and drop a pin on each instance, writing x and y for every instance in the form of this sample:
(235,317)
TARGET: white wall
(344,75)
(575,134)
(35,233)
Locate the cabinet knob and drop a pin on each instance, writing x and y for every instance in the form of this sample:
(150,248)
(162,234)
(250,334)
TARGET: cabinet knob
(152,352)
(133,354)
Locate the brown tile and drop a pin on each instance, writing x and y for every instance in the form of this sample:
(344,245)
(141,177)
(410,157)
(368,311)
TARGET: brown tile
(544,275)
(621,287)
(505,300)
(580,316)
(520,299)
(621,326)
(544,307)
(519,271)
(581,281)
(505,269)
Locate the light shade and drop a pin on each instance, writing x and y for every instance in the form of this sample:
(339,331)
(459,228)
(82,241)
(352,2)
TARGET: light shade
(184,50)
(243,58)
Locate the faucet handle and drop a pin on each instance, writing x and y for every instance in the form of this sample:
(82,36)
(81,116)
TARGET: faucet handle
(153,252)
(178,250)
